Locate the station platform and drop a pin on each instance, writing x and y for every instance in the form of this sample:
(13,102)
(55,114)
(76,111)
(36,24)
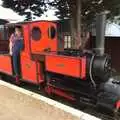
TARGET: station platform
(20,104)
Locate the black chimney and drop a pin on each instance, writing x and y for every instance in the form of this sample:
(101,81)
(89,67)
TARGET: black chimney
(100,33)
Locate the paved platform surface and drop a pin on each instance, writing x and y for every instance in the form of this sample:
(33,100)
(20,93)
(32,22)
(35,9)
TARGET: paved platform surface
(17,106)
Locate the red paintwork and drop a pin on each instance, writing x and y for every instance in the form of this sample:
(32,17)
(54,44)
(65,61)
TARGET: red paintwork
(83,67)
(51,90)
(28,68)
(66,65)
(31,70)
(118,105)
(26,34)
(5,64)
(62,94)
(45,42)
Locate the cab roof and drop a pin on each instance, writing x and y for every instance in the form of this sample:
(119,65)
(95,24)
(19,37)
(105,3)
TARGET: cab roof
(28,22)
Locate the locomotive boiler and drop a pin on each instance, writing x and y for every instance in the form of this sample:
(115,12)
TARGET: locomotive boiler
(79,76)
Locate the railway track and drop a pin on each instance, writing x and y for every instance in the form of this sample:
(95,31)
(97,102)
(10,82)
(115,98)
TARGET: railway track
(87,109)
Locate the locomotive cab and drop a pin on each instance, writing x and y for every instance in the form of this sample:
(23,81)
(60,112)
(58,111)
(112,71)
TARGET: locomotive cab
(43,37)
(40,38)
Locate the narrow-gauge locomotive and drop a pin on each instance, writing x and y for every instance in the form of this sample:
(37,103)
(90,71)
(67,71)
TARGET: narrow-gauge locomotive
(79,76)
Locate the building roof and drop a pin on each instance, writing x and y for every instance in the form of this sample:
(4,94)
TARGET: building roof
(3,21)
(112,29)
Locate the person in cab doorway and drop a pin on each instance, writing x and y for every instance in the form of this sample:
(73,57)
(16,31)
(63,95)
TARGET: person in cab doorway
(15,47)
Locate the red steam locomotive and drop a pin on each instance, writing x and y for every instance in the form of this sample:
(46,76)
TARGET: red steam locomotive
(79,76)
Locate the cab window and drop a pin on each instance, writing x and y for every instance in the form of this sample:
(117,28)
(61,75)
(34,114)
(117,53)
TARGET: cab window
(2,32)
(51,32)
(36,33)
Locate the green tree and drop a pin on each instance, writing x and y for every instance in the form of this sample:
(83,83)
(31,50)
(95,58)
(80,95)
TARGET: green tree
(83,12)
(65,8)
(68,8)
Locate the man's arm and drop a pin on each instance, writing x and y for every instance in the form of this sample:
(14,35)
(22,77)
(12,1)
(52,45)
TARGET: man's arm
(10,44)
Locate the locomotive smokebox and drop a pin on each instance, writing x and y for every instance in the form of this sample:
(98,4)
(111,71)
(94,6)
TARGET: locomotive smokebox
(100,33)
